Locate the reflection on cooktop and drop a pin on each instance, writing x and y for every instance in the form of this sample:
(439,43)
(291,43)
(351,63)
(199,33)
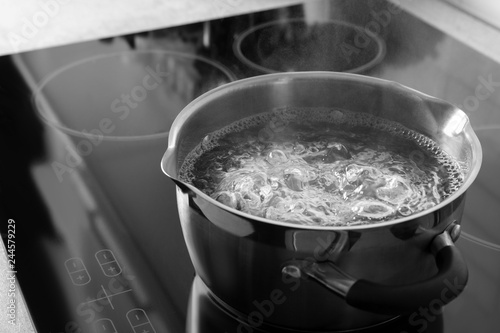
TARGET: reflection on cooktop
(480,244)
(206,315)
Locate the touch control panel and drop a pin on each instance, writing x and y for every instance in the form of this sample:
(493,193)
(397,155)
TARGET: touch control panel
(139,321)
(108,304)
(77,271)
(109,266)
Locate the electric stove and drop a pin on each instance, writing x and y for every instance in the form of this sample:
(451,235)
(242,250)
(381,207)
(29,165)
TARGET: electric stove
(99,249)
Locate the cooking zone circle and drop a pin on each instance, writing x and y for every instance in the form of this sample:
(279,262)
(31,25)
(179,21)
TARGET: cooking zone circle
(298,45)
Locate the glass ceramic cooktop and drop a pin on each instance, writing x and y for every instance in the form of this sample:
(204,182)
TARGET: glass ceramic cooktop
(98,241)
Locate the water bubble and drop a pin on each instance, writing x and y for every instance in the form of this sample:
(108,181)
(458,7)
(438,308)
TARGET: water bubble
(299,207)
(356,173)
(295,178)
(252,200)
(274,183)
(276,156)
(353,171)
(394,191)
(372,209)
(337,152)
(259,178)
(405,210)
(332,182)
(226,198)
(311,175)
(266,194)
(241,182)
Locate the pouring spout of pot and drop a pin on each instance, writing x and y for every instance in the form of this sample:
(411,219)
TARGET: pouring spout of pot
(168,162)
(169,168)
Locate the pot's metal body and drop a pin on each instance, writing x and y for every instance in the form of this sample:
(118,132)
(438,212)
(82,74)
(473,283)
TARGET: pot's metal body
(245,260)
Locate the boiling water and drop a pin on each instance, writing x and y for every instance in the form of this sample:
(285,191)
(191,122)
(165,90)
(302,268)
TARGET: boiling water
(321,167)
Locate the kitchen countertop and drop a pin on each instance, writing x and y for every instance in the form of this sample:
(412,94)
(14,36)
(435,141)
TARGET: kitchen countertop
(35,24)
(464,27)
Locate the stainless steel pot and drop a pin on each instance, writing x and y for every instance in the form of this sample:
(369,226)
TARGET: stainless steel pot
(323,278)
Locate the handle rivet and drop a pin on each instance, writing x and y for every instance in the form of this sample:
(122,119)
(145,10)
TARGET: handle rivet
(292,271)
(455,231)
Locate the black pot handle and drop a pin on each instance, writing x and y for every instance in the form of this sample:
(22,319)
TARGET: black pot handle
(438,290)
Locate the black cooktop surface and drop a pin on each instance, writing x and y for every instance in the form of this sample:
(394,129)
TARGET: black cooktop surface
(98,241)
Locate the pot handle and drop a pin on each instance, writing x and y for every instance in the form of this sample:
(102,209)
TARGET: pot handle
(441,289)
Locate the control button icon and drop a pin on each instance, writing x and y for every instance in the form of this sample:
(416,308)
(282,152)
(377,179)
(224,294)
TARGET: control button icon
(77,271)
(139,321)
(104,325)
(111,269)
(109,265)
(144,328)
(74,265)
(104,256)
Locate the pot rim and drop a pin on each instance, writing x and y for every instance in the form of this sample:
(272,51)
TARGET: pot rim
(216,93)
